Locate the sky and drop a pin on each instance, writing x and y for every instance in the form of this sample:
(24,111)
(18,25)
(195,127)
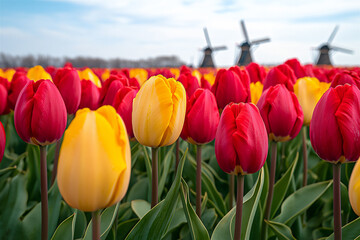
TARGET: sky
(141,29)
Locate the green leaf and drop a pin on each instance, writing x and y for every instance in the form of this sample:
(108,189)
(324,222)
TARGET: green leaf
(282,231)
(154,224)
(225,228)
(33,172)
(79,224)
(282,186)
(349,231)
(167,162)
(64,230)
(197,228)
(299,201)
(140,207)
(125,227)
(139,190)
(108,217)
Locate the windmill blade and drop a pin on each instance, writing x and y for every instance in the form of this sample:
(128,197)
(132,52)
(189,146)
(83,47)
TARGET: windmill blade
(219,48)
(207,37)
(242,23)
(333,34)
(263,40)
(344,50)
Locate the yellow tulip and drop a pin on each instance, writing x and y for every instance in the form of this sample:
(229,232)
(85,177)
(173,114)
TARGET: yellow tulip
(210,77)
(105,75)
(88,74)
(140,74)
(38,72)
(175,72)
(309,91)
(8,74)
(354,188)
(159,111)
(256,90)
(95,160)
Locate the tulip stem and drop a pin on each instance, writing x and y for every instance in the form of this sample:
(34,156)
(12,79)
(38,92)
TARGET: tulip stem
(44,197)
(271,189)
(198,181)
(96,218)
(231,190)
(239,205)
(56,159)
(305,157)
(337,200)
(177,154)
(154,179)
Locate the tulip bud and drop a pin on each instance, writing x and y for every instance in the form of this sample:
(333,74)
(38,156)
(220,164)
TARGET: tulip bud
(140,74)
(90,95)
(40,113)
(111,87)
(256,91)
(350,77)
(256,72)
(4,88)
(8,73)
(189,82)
(17,84)
(67,80)
(308,91)
(241,142)
(281,74)
(2,141)
(87,74)
(37,73)
(123,104)
(281,112)
(95,160)
(354,188)
(232,85)
(335,124)
(320,74)
(159,111)
(296,66)
(202,117)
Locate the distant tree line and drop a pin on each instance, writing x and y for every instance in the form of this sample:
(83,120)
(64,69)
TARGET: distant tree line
(7,61)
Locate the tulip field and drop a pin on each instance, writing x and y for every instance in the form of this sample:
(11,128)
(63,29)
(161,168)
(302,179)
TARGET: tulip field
(253,152)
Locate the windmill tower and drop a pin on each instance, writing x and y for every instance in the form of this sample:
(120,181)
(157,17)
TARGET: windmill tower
(324,49)
(207,60)
(245,57)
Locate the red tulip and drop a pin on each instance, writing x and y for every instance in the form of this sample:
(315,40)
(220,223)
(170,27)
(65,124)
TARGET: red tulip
(189,82)
(90,95)
(320,74)
(2,141)
(51,70)
(296,66)
(334,127)
(256,72)
(40,113)
(67,80)
(241,142)
(202,117)
(111,86)
(281,74)
(281,112)
(205,83)
(4,88)
(18,82)
(133,82)
(232,85)
(344,77)
(123,104)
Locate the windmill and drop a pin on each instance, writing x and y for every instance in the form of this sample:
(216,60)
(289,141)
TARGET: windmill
(207,61)
(324,49)
(245,56)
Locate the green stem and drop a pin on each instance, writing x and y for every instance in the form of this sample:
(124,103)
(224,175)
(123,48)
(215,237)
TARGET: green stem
(231,190)
(44,197)
(96,218)
(198,181)
(56,159)
(337,201)
(154,179)
(271,189)
(239,205)
(305,157)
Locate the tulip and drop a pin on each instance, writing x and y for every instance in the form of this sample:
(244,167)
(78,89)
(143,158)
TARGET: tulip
(241,147)
(350,77)
(37,73)
(190,83)
(8,74)
(111,87)
(95,161)
(256,72)
(2,141)
(17,84)
(67,80)
(140,74)
(209,77)
(90,95)
(4,88)
(159,111)
(320,74)
(309,91)
(281,112)
(256,91)
(87,74)
(281,74)
(354,188)
(51,70)
(296,66)
(123,104)
(232,85)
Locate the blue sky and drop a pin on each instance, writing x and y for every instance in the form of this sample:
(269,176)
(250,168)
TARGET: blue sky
(139,29)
